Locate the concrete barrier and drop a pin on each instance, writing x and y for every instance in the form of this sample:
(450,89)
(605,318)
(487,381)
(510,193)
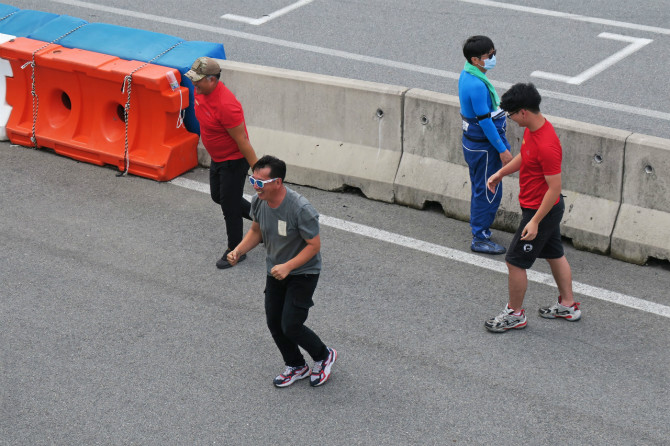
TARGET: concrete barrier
(433,168)
(643,227)
(332,132)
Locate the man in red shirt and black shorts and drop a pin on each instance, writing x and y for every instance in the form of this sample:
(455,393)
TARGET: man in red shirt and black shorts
(224,135)
(542,207)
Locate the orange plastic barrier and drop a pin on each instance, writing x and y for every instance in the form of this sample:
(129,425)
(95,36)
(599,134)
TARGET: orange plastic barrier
(81,109)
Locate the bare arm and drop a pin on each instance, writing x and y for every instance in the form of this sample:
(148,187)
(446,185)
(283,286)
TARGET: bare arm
(249,242)
(313,247)
(554,182)
(506,157)
(243,143)
(508,169)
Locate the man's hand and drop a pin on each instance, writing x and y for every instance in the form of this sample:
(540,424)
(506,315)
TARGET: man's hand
(529,231)
(493,181)
(506,157)
(233,257)
(280,272)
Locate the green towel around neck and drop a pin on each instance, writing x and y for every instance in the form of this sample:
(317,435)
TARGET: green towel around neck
(495,99)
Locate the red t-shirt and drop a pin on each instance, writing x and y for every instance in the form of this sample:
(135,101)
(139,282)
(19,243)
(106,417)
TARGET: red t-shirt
(216,112)
(541,155)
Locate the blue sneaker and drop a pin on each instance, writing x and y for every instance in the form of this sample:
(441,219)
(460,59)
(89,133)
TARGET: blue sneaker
(486,246)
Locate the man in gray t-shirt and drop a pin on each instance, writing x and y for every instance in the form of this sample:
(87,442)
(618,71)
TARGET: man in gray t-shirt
(286,228)
(289,226)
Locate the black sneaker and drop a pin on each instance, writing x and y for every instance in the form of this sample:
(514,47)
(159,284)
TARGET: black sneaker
(291,375)
(222,263)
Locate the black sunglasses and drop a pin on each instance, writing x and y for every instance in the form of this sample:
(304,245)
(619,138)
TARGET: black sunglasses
(509,115)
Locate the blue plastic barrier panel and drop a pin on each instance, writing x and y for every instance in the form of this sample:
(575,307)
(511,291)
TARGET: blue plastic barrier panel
(6,10)
(25,22)
(119,41)
(56,28)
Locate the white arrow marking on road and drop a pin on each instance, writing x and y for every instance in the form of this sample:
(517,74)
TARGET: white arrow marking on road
(635,44)
(463,257)
(267,17)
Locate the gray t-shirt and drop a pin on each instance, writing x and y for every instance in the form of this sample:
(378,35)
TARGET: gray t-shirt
(285,230)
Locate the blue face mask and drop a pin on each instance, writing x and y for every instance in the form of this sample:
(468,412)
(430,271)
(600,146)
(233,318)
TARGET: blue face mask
(490,62)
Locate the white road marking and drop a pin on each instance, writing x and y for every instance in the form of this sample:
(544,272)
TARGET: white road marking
(266,18)
(635,44)
(569,16)
(361,58)
(464,257)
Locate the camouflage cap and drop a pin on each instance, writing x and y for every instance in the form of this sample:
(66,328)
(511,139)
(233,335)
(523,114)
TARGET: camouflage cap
(203,66)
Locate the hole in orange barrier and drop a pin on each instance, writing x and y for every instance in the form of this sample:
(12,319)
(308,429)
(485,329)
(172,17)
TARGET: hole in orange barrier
(113,123)
(60,108)
(66,101)
(121,112)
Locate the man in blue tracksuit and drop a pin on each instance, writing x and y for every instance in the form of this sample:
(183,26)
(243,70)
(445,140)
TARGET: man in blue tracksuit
(485,146)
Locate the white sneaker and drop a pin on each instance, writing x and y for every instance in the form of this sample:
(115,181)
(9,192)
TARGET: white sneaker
(321,369)
(506,321)
(291,375)
(558,310)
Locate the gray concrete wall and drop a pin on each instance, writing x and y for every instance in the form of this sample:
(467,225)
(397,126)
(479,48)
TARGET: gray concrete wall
(643,226)
(404,146)
(333,132)
(433,168)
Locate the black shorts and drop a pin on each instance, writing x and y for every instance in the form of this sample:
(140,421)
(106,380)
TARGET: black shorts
(546,245)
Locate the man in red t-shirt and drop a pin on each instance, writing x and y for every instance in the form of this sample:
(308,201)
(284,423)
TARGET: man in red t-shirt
(539,233)
(224,135)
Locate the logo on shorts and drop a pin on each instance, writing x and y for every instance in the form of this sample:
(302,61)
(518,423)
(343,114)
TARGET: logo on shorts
(527,247)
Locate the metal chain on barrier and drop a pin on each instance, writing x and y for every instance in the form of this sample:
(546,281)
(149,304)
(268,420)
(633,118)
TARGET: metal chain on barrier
(33,92)
(8,15)
(128,80)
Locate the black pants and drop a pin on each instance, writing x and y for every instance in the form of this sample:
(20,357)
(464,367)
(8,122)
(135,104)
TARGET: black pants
(226,185)
(287,304)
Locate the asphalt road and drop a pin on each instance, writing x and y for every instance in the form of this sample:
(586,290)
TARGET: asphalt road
(117,328)
(418,44)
